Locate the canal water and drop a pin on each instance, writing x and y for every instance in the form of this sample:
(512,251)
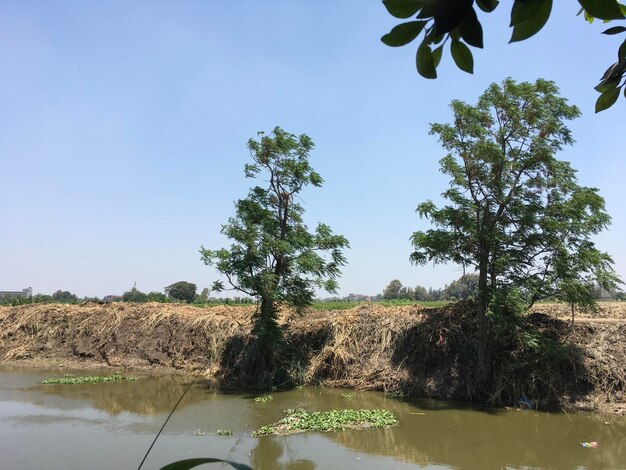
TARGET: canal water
(111,425)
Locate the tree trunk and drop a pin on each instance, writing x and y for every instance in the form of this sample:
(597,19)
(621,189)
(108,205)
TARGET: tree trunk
(484,297)
(266,320)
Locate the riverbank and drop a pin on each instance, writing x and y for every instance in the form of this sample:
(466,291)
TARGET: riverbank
(401,350)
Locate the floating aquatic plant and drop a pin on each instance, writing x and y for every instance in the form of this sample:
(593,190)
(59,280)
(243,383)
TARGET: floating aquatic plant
(334,420)
(69,379)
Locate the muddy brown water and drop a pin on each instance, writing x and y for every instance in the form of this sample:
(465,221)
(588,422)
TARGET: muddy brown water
(111,425)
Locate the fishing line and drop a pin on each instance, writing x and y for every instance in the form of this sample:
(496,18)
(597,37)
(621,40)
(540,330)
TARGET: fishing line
(168,418)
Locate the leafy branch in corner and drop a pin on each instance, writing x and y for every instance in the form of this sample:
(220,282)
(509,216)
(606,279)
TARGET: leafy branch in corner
(456,22)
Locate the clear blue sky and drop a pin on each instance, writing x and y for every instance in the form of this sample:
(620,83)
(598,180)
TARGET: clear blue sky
(123,131)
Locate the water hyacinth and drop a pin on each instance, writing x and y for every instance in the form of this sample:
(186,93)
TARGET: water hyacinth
(334,420)
(69,379)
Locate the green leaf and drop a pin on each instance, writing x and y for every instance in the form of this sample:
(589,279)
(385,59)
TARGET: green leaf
(528,17)
(615,70)
(403,33)
(437,56)
(614,30)
(471,30)
(606,85)
(428,9)
(462,56)
(191,463)
(607,99)
(603,9)
(487,5)
(425,61)
(449,14)
(403,8)
(621,52)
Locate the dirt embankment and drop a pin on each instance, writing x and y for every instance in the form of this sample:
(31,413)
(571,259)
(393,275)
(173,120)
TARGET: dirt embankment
(403,350)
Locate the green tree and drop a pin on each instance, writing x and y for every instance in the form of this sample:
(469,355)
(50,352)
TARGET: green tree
(134,295)
(274,257)
(420,293)
(42,299)
(392,291)
(463,288)
(64,297)
(516,214)
(456,22)
(182,290)
(204,295)
(156,297)
(577,294)
(407,293)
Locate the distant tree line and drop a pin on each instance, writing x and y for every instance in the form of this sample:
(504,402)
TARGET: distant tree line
(463,288)
(467,287)
(181,291)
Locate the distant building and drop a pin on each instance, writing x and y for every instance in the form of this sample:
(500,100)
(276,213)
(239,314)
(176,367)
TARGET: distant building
(24,293)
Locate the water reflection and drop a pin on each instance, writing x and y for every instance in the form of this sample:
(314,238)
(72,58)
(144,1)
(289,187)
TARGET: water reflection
(148,395)
(430,434)
(270,453)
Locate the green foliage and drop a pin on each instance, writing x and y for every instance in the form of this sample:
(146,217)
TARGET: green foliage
(507,302)
(456,22)
(69,379)
(274,257)
(233,301)
(334,420)
(462,288)
(182,291)
(392,291)
(64,297)
(515,214)
(465,287)
(204,295)
(15,301)
(264,398)
(134,295)
(224,432)
(156,297)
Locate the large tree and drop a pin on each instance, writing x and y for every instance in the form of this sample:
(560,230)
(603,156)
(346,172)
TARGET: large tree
(64,296)
(274,257)
(456,22)
(464,287)
(182,290)
(515,213)
(392,291)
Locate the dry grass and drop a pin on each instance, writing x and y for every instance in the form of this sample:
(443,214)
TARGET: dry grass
(403,349)
(616,310)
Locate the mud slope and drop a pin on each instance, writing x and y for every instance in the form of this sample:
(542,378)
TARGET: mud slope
(405,350)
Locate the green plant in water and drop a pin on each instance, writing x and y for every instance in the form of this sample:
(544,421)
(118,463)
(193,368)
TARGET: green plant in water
(334,420)
(349,396)
(224,432)
(264,398)
(70,379)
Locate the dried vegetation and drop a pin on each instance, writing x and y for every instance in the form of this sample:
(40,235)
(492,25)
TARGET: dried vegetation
(401,350)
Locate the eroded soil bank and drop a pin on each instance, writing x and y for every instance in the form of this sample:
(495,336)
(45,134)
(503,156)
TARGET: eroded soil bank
(401,350)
